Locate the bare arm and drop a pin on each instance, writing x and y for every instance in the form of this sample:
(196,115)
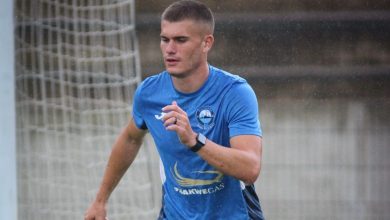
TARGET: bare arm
(242,160)
(122,155)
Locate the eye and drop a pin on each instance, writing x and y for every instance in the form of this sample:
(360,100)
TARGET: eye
(164,39)
(181,39)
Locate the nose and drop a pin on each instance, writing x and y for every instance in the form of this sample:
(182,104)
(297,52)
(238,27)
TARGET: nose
(170,47)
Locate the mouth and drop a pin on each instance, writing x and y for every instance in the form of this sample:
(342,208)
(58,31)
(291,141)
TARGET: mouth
(171,61)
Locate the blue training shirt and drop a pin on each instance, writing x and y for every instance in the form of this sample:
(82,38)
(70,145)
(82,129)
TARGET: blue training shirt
(224,107)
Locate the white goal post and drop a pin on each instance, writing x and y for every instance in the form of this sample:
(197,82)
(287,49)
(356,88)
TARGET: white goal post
(8,189)
(77,66)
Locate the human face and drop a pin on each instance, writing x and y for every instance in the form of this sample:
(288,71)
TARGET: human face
(183,47)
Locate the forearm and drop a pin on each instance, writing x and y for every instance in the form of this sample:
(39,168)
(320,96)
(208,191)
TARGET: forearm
(242,164)
(122,155)
(242,160)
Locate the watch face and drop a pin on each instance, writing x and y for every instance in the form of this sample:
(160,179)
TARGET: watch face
(202,138)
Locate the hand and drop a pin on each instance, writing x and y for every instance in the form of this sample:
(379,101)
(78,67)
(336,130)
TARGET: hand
(177,120)
(97,211)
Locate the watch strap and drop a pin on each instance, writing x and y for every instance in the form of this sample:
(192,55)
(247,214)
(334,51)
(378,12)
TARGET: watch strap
(198,144)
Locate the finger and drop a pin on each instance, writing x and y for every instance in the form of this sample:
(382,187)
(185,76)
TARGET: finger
(170,121)
(174,107)
(177,115)
(175,118)
(169,115)
(169,108)
(87,217)
(177,107)
(177,128)
(180,127)
(100,218)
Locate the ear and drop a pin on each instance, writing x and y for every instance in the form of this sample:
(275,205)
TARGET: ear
(208,42)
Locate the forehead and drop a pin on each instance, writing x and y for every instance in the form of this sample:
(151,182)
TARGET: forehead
(180,28)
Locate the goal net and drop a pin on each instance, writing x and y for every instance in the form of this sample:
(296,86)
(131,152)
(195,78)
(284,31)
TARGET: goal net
(77,66)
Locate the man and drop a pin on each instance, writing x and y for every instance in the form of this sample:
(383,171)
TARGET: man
(204,122)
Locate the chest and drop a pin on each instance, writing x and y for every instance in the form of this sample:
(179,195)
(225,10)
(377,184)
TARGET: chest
(206,115)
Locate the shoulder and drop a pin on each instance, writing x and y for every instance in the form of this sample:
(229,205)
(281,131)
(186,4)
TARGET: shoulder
(152,83)
(227,77)
(154,80)
(234,84)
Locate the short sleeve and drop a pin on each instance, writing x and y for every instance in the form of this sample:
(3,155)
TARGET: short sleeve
(243,111)
(137,111)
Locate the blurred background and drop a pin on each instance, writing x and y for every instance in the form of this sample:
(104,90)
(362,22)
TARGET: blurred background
(320,69)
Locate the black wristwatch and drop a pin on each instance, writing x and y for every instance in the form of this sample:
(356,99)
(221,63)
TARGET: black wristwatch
(200,142)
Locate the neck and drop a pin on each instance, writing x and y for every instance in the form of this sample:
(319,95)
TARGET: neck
(193,81)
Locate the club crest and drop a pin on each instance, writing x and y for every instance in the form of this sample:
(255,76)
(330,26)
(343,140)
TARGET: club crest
(205,117)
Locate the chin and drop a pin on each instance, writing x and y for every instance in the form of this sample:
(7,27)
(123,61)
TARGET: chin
(176,74)
(174,71)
